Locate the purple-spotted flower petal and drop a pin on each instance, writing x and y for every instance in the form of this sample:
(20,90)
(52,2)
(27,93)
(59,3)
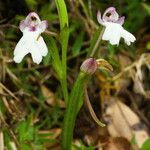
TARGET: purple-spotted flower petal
(110,15)
(113,27)
(31,41)
(44,25)
(121,20)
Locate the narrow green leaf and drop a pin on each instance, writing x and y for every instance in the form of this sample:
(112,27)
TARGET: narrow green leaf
(146,7)
(77,44)
(72,109)
(64,36)
(55,56)
(62,12)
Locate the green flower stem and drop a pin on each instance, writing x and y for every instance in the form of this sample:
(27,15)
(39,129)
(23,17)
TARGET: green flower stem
(63,79)
(64,37)
(96,42)
(72,109)
(63,82)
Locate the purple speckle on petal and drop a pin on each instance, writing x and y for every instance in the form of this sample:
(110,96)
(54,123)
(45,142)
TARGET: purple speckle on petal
(33,23)
(22,25)
(110,15)
(33,28)
(121,20)
(46,22)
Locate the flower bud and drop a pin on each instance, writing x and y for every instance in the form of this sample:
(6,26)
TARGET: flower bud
(89,66)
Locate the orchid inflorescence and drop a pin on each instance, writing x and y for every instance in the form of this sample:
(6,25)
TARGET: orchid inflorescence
(33,43)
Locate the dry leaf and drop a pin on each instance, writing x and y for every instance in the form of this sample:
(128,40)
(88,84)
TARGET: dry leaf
(95,135)
(50,97)
(121,84)
(54,133)
(118,143)
(139,76)
(123,60)
(124,122)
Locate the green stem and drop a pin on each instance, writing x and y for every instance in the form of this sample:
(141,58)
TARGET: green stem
(64,87)
(64,42)
(97,39)
(64,69)
(75,100)
(71,111)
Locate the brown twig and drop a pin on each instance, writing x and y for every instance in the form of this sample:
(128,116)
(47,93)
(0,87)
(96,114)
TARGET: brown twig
(9,129)
(8,91)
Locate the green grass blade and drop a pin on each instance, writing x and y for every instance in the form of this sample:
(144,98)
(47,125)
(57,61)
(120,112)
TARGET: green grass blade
(62,12)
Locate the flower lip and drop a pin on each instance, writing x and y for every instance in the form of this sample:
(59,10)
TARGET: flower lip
(32,28)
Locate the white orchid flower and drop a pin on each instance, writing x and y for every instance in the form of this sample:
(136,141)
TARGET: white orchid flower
(113,27)
(31,41)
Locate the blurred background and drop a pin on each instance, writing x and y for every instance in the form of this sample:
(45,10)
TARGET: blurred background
(31,99)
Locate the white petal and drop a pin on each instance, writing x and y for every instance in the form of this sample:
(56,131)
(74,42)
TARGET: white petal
(121,20)
(22,25)
(32,14)
(99,18)
(43,25)
(128,37)
(19,56)
(112,33)
(20,45)
(35,52)
(42,46)
(37,58)
(20,50)
(31,35)
(30,43)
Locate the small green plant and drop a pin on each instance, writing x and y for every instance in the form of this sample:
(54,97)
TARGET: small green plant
(146,145)
(55,50)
